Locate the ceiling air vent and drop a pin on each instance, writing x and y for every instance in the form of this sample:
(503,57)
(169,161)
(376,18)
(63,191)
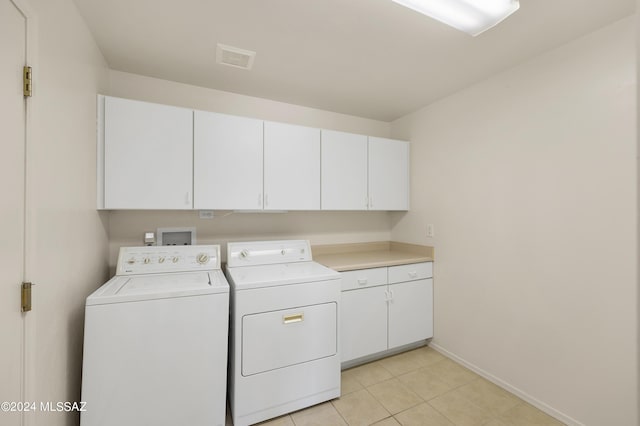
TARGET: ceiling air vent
(234,57)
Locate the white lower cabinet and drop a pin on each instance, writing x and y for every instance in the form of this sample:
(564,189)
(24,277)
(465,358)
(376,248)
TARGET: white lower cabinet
(363,322)
(385,308)
(410,312)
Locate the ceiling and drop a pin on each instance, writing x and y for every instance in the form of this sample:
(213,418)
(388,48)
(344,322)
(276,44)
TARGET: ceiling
(369,58)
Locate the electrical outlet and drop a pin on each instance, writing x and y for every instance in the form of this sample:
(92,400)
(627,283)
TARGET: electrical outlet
(430,230)
(149,238)
(206,214)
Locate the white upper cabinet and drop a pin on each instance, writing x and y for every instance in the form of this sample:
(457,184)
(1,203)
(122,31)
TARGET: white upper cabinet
(148,155)
(153,156)
(291,167)
(227,162)
(344,171)
(388,174)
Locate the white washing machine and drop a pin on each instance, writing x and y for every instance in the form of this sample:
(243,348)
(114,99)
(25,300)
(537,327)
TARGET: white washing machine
(284,352)
(155,342)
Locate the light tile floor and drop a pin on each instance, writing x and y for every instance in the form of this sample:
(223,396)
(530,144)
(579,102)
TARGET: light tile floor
(420,387)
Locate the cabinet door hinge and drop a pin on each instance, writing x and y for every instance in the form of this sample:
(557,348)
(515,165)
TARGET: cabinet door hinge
(26,296)
(26,81)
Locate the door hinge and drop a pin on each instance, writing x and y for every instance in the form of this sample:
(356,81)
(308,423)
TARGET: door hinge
(26,81)
(26,296)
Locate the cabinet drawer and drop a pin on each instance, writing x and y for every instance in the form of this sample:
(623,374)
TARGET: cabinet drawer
(412,272)
(364,278)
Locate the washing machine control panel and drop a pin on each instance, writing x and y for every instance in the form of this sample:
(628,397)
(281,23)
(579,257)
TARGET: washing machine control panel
(162,259)
(268,252)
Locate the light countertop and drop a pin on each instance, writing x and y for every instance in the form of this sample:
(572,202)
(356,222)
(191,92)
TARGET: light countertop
(348,257)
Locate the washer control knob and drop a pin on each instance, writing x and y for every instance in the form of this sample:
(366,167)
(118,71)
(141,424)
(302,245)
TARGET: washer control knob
(147,260)
(283,252)
(202,258)
(161,260)
(131,261)
(244,253)
(175,259)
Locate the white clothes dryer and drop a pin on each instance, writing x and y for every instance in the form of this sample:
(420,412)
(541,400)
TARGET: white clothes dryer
(155,342)
(284,352)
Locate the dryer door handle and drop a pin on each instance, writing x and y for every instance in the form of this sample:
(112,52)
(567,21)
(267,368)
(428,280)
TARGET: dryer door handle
(289,319)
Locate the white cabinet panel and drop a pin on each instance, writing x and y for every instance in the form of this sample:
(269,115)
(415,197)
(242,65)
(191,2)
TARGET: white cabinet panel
(363,323)
(154,156)
(410,312)
(344,171)
(291,167)
(380,314)
(148,155)
(364,278)
(227,162)
(411,272)
(388,174)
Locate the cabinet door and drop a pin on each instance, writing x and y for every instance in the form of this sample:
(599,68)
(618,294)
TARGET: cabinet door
(344,171)
(227,162)
(148,155)
(410,312)
(388,174)
(291,167)
(363,322)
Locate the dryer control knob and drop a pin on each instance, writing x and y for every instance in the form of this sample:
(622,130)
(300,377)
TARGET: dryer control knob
(244,253)
(161,260)
(175,259)
(202,258)
(147,260)
(131,261)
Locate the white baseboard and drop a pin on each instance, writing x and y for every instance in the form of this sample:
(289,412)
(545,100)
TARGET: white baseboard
(520,394)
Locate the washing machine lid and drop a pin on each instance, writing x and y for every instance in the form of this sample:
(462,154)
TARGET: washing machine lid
(248,277)
(133,288)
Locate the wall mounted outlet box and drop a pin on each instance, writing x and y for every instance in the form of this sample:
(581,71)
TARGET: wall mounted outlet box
(430,230)
(149,238)
(206,214)
(177,236)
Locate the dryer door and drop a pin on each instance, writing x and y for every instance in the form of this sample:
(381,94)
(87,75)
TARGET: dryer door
(278,339)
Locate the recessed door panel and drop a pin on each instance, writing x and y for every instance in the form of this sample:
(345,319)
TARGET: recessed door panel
(277,339)
(410,312)
(363,322)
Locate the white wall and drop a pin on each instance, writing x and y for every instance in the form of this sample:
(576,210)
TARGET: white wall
(151,89)
(530,180)
(68,243)
(638,190)
(127,227)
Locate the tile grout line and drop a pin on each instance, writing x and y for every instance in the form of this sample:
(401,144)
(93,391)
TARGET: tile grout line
(339,413)
(427,401)
(497,416)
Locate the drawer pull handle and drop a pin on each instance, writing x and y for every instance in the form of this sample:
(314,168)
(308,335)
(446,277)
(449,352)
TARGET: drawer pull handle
(362,281)
(413,274)
(289,319)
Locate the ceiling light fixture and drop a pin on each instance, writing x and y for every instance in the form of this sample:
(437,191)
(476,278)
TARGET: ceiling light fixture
(472,17)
